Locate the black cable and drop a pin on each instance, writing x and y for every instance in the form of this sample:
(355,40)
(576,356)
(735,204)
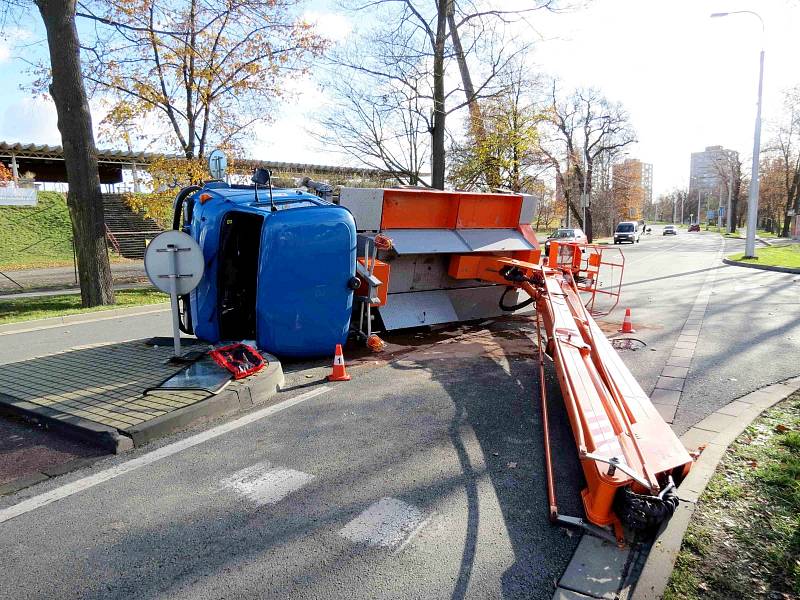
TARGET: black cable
(509,308)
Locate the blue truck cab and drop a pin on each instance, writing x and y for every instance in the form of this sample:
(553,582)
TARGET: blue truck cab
(279,268)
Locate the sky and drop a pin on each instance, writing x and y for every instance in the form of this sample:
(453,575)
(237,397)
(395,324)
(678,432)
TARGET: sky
(688,81)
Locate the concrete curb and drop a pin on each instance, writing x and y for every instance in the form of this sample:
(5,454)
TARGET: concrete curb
(237,397)
(717,431)
(736,263)
(74,427)
(100,315)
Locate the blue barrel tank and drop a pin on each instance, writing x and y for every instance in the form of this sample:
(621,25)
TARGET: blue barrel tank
(281,277)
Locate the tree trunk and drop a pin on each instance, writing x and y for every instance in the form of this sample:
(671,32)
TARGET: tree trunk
(737,188)
(437,149)
(84,198)
(477,128)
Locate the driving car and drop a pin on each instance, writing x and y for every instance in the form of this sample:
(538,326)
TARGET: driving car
(694,227)
(571,234)
(670,230)
(627,231)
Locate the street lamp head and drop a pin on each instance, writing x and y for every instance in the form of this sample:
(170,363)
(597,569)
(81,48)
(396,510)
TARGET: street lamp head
(713,15)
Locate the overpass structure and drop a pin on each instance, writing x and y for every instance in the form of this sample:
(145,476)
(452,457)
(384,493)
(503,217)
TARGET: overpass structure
(47,163)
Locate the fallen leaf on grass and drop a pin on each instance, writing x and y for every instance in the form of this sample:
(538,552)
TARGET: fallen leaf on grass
(780,428)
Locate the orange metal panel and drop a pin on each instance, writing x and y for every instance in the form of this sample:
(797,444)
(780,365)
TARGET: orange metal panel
(382,273)
(531,256)
(528,233)
(419,209)
(487,211)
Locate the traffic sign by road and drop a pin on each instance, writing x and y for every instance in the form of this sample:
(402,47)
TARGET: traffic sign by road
(174,264)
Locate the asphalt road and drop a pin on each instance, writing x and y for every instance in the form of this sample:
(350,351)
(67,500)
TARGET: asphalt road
(749,338)
(420,478)
(443,453)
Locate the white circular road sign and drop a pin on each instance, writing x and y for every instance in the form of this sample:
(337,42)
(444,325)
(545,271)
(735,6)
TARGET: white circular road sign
(174,256)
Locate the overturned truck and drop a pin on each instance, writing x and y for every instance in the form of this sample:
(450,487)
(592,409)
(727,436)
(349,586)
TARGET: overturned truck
(300,271)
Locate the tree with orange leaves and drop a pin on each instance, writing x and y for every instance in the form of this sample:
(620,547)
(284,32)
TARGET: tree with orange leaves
(200,72)
(5,173)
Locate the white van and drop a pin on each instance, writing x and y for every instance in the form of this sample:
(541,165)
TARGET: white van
(627,231)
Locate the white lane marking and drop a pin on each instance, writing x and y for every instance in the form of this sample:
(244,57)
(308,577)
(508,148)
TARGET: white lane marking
(410,537)
(264,484)
(386,523)
(90,481)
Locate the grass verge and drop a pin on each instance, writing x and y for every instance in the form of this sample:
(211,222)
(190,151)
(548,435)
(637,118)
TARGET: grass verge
(744,538)
(36,236)
(774,256)
(42,307)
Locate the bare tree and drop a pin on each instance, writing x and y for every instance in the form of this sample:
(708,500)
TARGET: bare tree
(785,149)
(579,129)
(382,128)
(475,18)
(412,49)
(729,171)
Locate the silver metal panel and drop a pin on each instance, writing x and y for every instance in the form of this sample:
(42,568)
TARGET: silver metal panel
(414,309)
(494,240)
(366,205)
(528,212)
(426,241)
(422,272)
(484,302)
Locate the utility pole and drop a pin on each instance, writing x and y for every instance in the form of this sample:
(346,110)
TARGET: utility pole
(752,201)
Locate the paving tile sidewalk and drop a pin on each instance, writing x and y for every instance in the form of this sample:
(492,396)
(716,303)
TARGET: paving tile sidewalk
(96,393)
(102,383)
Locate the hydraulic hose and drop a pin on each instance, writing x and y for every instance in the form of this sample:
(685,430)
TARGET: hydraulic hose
(512,307)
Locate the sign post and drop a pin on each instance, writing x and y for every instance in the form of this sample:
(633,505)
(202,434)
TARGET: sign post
(174,264)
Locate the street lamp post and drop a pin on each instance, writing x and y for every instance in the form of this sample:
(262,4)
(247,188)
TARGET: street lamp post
(752,201)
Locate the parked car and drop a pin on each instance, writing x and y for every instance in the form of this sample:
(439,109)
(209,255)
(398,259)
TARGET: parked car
(627,231)
(694,227)
(670,230)
(572,234)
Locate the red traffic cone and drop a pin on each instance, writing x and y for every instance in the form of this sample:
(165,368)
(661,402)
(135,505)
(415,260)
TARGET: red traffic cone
(339,372)
(627,326)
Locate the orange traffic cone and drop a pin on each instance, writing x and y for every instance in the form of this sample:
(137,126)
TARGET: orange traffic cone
(627,326)
(339,372)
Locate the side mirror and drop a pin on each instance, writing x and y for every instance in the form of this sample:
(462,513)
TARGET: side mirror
(261,176)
